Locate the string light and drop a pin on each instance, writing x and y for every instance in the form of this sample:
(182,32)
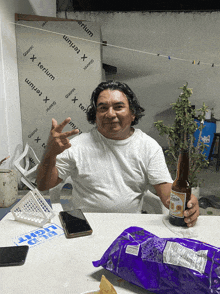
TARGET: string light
(115,46)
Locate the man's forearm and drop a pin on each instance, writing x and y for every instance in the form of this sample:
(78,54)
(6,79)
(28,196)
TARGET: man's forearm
(47,174)
(163,191)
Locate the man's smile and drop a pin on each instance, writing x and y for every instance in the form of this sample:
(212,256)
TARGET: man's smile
(111,122)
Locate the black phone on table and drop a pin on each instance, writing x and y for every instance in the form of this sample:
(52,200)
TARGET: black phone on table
(13,255)
(74,223)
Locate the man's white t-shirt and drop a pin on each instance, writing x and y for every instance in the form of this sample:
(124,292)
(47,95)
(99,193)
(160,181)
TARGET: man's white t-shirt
(112,175)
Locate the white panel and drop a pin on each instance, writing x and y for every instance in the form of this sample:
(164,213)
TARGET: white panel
(57,74)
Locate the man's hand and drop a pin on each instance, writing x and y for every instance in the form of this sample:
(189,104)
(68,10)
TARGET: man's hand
(192,213)
(58,141)
(47,174)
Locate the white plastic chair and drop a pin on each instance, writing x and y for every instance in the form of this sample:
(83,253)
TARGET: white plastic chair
(55,192)
(28,174)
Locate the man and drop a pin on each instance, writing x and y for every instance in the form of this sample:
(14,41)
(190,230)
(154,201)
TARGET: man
(112,165)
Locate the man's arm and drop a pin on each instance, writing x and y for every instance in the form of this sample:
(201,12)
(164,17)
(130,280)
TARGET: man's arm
(47,173)
(163,190)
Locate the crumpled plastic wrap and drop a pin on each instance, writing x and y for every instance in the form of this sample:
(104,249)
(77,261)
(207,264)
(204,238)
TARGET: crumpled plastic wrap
(163,265)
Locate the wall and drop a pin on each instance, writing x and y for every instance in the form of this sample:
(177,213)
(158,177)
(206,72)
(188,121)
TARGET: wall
(184,37)
(155,80)
(10,116)
(57,74)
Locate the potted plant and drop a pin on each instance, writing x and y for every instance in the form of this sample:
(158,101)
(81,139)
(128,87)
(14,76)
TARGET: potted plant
(181,136)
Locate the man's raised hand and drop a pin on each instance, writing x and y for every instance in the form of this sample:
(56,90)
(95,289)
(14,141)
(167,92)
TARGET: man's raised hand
(58,141)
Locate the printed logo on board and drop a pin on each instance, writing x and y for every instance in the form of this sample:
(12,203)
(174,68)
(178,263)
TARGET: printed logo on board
(39,236)
(206,139)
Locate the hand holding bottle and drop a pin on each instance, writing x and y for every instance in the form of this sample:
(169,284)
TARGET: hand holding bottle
(192,213)
(183,207)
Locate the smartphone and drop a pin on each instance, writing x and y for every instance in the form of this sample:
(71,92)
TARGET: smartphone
(13,255)
(74,223)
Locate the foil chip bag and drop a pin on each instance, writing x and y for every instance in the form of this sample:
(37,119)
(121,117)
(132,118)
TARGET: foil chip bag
(163,265)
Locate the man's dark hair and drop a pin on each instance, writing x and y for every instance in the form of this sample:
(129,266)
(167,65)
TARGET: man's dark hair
(112,85)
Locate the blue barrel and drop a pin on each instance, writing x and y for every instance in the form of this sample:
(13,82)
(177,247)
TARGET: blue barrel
(207,134)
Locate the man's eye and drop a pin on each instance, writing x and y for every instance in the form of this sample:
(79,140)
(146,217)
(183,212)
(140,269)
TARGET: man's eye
(102,108)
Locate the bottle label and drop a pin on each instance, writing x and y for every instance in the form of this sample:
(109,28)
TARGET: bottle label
(177,204)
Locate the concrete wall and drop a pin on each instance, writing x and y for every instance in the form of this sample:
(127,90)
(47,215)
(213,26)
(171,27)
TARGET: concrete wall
(184,37)
(10,115)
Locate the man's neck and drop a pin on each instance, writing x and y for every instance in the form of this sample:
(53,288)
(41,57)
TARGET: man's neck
(119,136)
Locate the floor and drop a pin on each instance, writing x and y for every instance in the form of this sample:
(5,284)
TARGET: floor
(210,186)
(211,183)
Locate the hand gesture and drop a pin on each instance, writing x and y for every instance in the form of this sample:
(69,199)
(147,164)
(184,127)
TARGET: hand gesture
(58,141)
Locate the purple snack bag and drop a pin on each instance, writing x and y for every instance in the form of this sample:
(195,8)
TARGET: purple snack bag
(163,265)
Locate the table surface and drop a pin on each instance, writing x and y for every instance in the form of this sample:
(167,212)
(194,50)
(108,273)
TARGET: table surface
(55,264)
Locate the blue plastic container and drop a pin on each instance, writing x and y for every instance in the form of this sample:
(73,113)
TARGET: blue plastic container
(207,135)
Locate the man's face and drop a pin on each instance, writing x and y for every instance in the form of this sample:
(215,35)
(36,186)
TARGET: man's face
(113,115)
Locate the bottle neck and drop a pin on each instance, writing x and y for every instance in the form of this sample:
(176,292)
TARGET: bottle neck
(183,166)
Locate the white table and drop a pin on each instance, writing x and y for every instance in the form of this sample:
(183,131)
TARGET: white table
(60,265)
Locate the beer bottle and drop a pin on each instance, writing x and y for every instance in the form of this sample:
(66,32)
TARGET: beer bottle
(180,191)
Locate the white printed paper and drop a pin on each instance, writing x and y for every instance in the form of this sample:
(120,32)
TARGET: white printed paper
(179,255)
(132,249)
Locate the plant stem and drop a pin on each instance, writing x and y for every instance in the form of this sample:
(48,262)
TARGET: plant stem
(4,159)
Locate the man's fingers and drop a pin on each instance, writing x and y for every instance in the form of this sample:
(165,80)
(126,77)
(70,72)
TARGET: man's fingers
(70,133)
(190,204)
(168,202)
(54,123)
(191,218)
(192,213)
(191,224)
(60,127)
